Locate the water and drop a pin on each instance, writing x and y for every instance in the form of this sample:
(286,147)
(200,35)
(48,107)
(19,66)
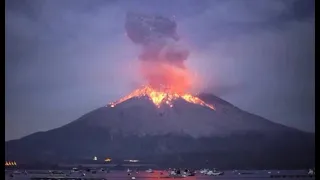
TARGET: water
(122,175)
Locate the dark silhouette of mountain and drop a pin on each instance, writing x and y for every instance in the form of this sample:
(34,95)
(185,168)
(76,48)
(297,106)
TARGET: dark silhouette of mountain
(186,134)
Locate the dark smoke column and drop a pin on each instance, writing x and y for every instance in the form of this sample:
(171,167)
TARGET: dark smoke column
(159,41)
(143,29)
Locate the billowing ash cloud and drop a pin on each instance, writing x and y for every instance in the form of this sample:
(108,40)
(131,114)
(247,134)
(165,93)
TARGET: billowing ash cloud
(162,56)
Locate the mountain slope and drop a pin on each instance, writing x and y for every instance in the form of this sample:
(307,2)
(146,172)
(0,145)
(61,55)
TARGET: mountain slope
(186,133)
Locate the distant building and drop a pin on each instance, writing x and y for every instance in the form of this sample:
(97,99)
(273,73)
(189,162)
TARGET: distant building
(108,160)
(10,164)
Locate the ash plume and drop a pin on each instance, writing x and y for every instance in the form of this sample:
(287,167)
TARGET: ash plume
(162,57)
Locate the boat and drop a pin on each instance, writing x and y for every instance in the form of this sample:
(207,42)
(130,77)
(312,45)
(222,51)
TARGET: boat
(177,174)
(204,171)
(74,170)
(149,171)
(187,172)
(214,172)
(311,172)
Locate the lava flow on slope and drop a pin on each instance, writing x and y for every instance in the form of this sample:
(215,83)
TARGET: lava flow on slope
(159,97)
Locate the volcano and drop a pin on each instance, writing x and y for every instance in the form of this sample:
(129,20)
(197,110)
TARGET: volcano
(170,130)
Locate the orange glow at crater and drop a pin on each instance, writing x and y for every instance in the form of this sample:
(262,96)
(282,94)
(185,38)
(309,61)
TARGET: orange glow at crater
(159,97)
(161,75)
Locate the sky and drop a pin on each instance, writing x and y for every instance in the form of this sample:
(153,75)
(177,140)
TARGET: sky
(66,58)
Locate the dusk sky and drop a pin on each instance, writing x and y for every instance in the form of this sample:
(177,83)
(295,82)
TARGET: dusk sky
(65,58)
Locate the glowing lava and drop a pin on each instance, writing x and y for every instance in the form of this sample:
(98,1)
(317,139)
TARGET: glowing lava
(162,97)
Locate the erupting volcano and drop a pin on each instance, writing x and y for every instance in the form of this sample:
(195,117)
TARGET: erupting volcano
(162,61)
(162,123)
(159,97)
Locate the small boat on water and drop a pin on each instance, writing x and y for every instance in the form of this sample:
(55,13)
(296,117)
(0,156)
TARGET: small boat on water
(214,172)
(204,171)
(177,173)
(149,171)
(311,172)
(188,172)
